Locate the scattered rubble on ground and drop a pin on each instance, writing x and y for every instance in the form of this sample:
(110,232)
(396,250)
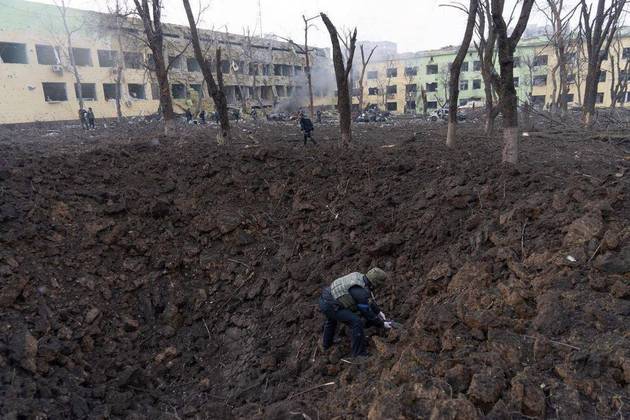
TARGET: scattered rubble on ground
(148,277)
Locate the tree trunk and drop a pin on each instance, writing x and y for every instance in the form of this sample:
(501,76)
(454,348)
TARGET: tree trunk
(119,68)
(309,78)
(73,64)
(455,72)
(344,103)
(509,101)
(215,89)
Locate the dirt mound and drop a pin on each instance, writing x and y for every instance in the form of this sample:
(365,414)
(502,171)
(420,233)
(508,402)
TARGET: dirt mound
(174,279)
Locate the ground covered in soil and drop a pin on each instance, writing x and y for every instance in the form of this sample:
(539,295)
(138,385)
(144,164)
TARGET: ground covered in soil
(147,277)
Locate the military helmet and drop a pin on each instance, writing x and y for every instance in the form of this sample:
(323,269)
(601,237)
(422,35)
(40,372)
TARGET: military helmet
(376,276)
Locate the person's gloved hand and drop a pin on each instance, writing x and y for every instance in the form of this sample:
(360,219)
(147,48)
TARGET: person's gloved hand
(382,316)
(387,325)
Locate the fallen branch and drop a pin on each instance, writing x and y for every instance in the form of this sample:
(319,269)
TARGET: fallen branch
(311,389)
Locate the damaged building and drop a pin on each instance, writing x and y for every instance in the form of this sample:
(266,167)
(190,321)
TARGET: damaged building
(38,83)
(395,81)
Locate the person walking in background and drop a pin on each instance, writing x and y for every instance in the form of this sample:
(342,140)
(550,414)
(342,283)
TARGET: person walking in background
(83,119)
(306,125)
(90,119)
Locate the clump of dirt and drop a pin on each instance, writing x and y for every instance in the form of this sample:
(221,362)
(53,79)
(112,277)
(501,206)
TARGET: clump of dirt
(170,278)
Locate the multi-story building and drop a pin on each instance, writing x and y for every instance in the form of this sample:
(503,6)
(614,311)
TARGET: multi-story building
(395,81)
(38,81)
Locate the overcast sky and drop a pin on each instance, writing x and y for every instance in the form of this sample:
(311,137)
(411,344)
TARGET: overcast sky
(413,24)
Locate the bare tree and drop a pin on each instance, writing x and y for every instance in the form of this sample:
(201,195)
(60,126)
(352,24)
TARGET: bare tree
(214,89)
(115,24)
(342,71)
(364,63)
(456,68)
(423,97)
(307,54)
(150,13)
(69,32)
(619,67)
(559,37)
(598,32)
(506,45)
(486,52)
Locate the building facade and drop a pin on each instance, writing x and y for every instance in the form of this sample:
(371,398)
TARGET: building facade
(38,82)
(395,82)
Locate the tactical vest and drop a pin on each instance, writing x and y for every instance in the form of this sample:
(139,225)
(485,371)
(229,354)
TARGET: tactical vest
(340,289)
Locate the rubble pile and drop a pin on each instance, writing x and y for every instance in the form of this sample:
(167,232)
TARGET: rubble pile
(171,278)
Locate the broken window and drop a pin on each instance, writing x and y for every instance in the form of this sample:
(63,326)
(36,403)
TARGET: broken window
(540,60)
(266,69)
(392,106)
(277,70)
(432,87)
(178,91)
(196,87)
(109,91)
(192,64)
(150,62)
(411,71)
(601,76)
(392,90)
(253,69)
(372,75)
(55,92)
(465,66)
(540,80)
(280,91)
(13,53)
(600,98)
(538,100)
(238,67)
(47,54)
(225,66)
(476,65)
(107,58)
(372,91)
(133,60)
(463,85)
(175,62)
(136,90)
(516,80)
(155,91)
(571,78)
(88,91)
(266,92)
(432,69)
(477,84)
(411,88)
(432,105)
(517,62)
(392,72)
(82,57)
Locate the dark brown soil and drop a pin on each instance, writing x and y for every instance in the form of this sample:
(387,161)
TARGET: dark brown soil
(147,277)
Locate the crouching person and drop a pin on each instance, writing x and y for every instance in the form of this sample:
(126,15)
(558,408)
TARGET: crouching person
(349,300)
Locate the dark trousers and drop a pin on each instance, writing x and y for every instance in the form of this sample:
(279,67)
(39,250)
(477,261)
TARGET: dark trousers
(308,135)
(334,315)
(92,122)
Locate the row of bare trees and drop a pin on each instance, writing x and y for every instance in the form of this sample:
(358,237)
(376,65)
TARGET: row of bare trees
(597,30)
